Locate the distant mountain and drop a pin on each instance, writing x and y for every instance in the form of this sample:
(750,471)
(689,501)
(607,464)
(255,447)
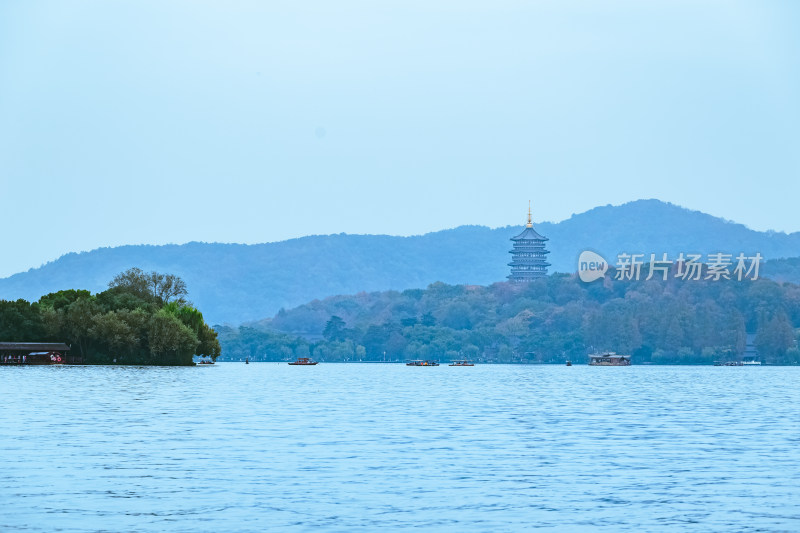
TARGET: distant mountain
(233,283)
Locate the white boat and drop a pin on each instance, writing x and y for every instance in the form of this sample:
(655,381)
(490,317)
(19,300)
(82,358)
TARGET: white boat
(747,363)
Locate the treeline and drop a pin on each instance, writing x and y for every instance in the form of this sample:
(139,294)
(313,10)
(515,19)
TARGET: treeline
(143,318)
(550,320)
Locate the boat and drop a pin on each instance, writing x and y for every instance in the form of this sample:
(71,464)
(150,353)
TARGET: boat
(569,363)
(206,362)
(421,362)
(752,362)
(609,359)
(461,362)
(303,361)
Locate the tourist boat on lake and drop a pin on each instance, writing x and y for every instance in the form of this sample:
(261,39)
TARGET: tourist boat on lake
(304,361)
(609,359)
(421,362)
(752,362)
(205,362)
(461,362)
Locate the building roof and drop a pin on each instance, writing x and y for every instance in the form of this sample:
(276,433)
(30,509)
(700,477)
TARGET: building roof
(528,233)
(33,346)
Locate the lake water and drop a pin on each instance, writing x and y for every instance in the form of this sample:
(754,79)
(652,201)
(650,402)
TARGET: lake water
(368,447)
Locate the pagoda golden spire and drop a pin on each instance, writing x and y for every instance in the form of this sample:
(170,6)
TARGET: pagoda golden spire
(529,224)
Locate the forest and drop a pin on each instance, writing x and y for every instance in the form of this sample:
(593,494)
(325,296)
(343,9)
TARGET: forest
(143,318)
(551,320)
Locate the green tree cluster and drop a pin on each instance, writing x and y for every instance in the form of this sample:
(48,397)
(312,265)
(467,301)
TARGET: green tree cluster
(549,320)
(143,318)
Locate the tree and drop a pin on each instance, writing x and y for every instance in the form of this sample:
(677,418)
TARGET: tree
(151,286)
(361,352)
(169,288)
(78,320)
(334,329)
(209,344)
(114,334)
(171,341)
(52,323)
(20,321)
(61,299)
(118,298)
(775,336)
(457,315)
(134,281)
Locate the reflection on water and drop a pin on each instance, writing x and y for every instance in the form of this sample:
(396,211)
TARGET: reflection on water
(338,447)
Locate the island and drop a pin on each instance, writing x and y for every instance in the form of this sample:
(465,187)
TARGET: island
(143,318)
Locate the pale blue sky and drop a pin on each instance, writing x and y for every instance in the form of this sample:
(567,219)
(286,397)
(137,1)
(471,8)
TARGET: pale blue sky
(170,121)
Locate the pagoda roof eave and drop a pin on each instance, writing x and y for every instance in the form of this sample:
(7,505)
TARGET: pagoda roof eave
(529,234)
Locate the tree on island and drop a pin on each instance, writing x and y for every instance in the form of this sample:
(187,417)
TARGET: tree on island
(141,319)
(162,288)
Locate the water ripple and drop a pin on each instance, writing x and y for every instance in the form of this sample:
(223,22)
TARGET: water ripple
(364,447)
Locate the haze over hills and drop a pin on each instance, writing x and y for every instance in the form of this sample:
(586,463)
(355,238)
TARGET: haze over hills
(233,283)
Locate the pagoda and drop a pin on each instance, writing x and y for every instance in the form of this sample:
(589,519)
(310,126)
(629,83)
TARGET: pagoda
(528,257)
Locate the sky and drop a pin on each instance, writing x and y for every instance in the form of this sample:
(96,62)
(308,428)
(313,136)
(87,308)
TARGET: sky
(154,121)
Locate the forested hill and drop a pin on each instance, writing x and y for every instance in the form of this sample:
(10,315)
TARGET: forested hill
(233,283)
(550,320)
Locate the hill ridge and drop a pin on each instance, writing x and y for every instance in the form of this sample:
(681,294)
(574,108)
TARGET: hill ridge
(238,282)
